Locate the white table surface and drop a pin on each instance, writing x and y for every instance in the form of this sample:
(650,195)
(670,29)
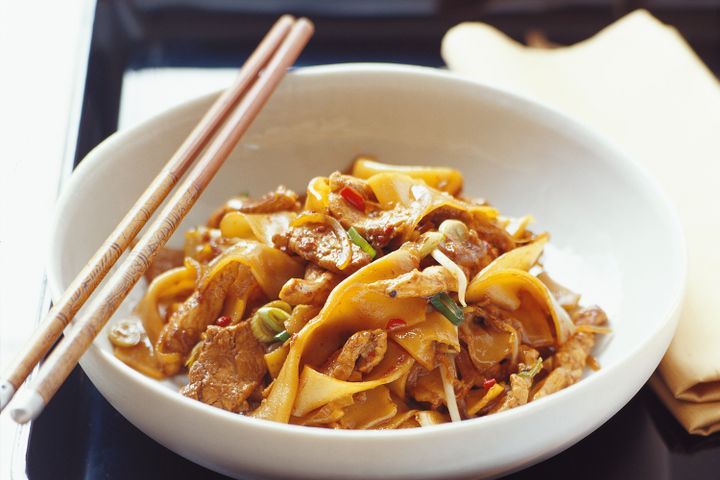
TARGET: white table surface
(43,56)
(39,115)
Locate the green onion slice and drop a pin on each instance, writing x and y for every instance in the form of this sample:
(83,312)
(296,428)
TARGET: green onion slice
(447,306)
(529,373)
(273,317)
(358,240)
(283,336)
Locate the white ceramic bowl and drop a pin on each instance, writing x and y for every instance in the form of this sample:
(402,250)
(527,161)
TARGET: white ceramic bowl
(615,239)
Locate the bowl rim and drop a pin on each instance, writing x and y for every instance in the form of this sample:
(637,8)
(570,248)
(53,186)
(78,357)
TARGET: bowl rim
(552,116)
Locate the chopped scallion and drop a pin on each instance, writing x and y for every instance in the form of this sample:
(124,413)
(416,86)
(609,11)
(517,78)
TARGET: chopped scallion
(447,306)
(273,317)
(529,373)
(358,240)
(283,336)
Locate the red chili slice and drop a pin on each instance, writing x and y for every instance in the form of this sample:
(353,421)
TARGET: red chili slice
(395,323)
(223,321)
(353,197)
(489,383)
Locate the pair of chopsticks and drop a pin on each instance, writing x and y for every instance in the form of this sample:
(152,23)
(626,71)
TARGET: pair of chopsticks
(217,134)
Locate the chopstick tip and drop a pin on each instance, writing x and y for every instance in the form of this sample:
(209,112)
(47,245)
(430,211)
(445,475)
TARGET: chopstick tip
(286,18)
(7,390)
(306,23)
(27,406)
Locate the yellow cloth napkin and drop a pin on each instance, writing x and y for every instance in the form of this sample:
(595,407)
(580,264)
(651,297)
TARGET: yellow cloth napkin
(638,83)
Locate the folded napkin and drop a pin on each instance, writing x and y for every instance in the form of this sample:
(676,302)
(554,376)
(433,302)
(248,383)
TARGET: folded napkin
(640,84)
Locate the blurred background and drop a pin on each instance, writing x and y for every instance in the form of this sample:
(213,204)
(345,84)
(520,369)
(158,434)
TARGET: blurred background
(134,35)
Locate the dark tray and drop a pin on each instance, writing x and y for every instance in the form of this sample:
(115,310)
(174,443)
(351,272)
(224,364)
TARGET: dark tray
(81,436)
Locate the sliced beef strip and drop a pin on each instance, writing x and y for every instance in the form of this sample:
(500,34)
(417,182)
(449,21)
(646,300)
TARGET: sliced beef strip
(570,360)
(228,369)
(182,332)
(472,254)
(486,229)
(418,283)
(362,352)
(314,289)
(318,244)
(379,227)
(520,385)
(280,200)
(593,315)
(518,394)
(338,181)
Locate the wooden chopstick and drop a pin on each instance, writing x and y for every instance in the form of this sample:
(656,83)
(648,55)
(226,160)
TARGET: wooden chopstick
(53,372)
(92,274)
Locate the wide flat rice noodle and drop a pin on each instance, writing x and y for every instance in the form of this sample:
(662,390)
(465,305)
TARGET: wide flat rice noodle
(565,297)
(506,287)
(521,258)
(275,359)
(443,178)
(486,345)
(318,194)
(428,418)
(421,339)
(270,267)
(317,389)
(173,283)
(406,419)
(351,307)
(369,409)
(396,189)
(257,226)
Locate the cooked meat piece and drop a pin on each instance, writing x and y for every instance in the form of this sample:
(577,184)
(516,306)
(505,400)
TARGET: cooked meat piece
(494,235)
(486,229)
(229,368)
(379,227)
(166,259)
(185,325)
(520,385)
(318,244)
(571,358)
(518,394)
(280,200)
(314,289)
(338,181)
(569,364)
(472,254)
(593,315)
(425,283)
(363,351)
